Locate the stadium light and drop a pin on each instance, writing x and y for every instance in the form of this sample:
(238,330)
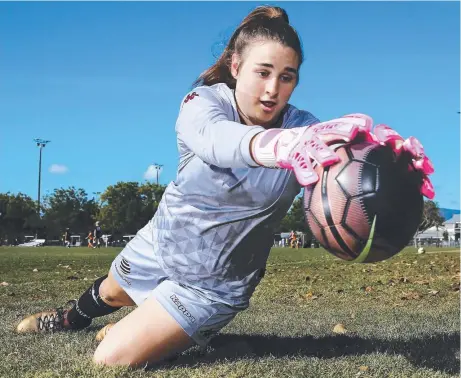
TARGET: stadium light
(41,143)
(157,167)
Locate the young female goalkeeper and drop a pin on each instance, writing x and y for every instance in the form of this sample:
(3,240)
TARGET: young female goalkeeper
(245,154)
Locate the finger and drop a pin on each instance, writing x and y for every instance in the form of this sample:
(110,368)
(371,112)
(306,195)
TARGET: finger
(414,147)
(424,165)
(363,121)
(335,131)
(300,162)
(427,189)
(373,138)
(305,173)
(388,136)
(320,152)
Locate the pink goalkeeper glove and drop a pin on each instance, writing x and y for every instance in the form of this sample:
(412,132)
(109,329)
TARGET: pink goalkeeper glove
(298,147)
(385,135)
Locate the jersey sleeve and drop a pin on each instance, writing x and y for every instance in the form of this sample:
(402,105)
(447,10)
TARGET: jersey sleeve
(204,125)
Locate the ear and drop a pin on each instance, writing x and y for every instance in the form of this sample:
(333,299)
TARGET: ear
(235,62)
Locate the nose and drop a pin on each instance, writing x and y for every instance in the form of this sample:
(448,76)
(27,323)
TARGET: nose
(272,87)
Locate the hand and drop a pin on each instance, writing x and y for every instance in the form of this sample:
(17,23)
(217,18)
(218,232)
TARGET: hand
(385,135)
(298,147)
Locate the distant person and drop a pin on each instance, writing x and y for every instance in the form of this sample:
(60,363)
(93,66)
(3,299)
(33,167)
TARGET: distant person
(277,239)
(97,236)
(90,239)
(244,155)
(66,238)
(293,240)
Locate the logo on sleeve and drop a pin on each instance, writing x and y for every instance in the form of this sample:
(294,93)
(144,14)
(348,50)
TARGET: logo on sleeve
(125,266)
(123,269)
(190,97)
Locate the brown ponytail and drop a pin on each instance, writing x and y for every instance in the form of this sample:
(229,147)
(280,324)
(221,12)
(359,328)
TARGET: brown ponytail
(264,22)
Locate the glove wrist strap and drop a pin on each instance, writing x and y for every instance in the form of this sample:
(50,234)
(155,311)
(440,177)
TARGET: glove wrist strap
(264,148)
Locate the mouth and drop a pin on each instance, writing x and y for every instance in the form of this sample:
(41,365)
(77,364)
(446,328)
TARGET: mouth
(268,106)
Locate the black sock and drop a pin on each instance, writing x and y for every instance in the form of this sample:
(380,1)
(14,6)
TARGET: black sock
(89,306)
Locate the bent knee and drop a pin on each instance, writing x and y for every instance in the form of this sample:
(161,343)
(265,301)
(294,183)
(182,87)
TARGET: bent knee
(106,356)
(111,293)
(107,292)
(101,358)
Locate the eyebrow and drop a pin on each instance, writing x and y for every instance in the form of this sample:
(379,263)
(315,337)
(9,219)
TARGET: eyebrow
(289,69)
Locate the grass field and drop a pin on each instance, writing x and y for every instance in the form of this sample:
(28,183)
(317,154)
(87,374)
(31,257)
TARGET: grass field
(401,318)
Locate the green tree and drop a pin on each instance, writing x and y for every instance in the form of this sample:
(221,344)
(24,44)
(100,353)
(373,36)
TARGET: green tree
(128,206)
(431,216)
(295,219)
(71,208)
(18,216)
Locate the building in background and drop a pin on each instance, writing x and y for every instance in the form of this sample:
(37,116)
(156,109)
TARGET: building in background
(435,235)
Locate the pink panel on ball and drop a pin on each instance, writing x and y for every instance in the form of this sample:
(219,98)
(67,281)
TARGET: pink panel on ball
(336,198)
(357,219)
(332,240)
(349,178)
(316,207)
(360,152)
(316,230)
(350,240)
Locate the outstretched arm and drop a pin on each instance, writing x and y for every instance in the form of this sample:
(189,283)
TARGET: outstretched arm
(204,126)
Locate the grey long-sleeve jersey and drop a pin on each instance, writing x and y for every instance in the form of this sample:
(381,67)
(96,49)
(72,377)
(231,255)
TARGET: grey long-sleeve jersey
(214,226)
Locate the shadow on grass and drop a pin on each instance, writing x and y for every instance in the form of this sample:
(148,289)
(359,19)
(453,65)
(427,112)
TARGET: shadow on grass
(437,352)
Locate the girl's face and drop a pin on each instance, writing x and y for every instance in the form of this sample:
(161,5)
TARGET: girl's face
(265,76)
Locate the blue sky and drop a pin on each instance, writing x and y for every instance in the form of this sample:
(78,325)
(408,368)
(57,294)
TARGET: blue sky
(104,81)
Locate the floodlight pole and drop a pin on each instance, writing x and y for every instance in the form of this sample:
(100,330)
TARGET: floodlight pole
(158,167)
(40,144)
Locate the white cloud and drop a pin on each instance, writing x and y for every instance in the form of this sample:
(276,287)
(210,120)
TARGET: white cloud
(58,169)
(151,173)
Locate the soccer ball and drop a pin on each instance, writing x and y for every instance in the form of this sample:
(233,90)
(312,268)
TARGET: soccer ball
(366,207)
(421,250)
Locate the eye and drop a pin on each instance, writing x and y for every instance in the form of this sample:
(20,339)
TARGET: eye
(287,78)
(263,73)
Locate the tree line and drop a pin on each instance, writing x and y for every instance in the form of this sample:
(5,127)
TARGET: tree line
(122,209)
